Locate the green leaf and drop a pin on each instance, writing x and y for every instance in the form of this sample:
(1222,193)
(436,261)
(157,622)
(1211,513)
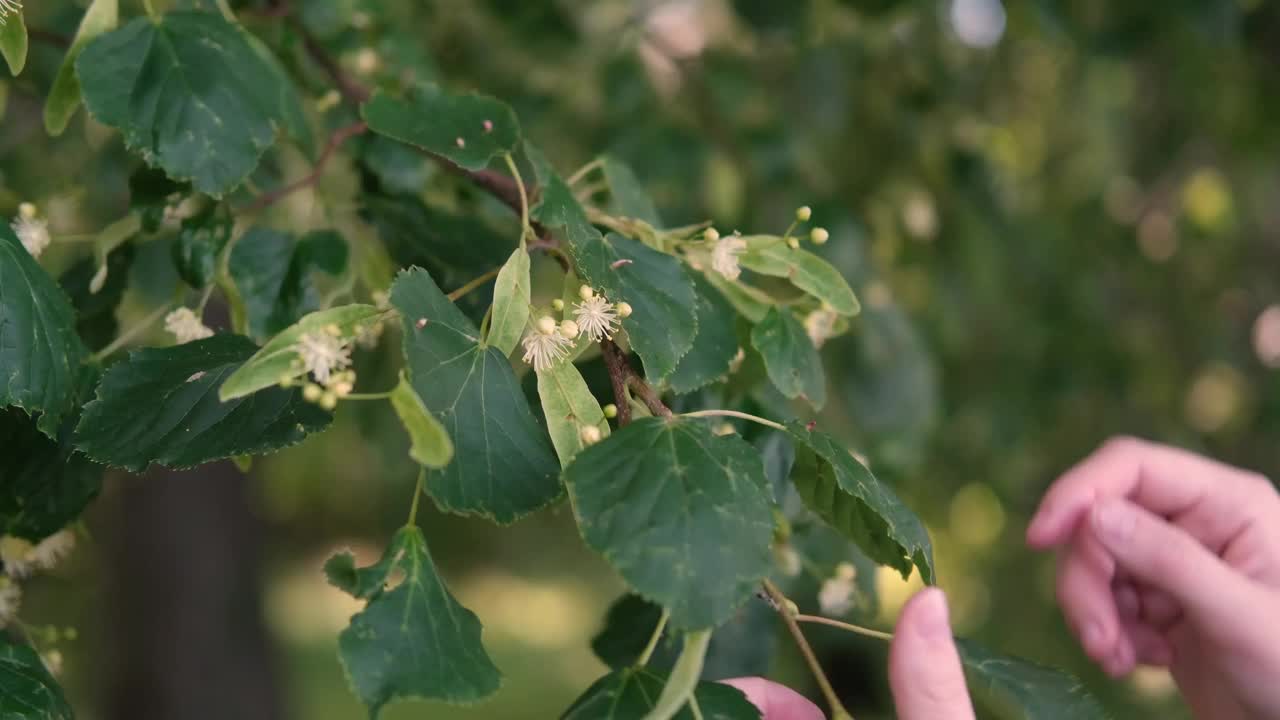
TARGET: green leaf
(39,349)
(557,208)
(276,359)
(1025,690)
(44,484)
(844,493)
(190,93)
(628,625)
(770,255)
(430,444)
(629,694)
(199,246)
(468,129)
(503,467)
(790,358)
(569,407)
(64,96)
(510,303)
(682,514)
(27,690)
(161,406)
(664,320)
(628,197)
(13,41)
(714,347)
(273,275)
(683,678)
(413,640)
(751,303)
(96,311)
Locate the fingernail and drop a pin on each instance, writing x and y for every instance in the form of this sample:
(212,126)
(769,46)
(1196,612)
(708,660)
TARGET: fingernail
(932,619)
(1114,521)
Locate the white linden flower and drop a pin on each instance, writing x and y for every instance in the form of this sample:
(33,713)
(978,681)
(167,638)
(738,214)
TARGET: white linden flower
(31,230)
(597,317)
(543,349)
(724,256)
(15,553)
(185,326)
(10,600)
(50,550)
(322,353)
(820,325)
(8,7)
(837,593)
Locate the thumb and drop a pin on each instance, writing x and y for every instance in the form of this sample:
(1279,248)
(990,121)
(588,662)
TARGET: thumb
(1164,556)
(924,667)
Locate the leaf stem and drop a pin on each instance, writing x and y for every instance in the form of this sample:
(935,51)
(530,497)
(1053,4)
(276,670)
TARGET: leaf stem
(526,231)
(151,10)
(368,396)
(653,639)
(838,711)
(418,489)
(735,414)
(128,335)
(585,170)
(850,627)
(475,283)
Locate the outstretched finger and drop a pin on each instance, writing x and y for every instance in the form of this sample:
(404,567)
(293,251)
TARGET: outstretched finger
(924,667)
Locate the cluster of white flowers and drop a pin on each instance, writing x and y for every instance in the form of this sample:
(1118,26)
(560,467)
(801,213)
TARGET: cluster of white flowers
(32,230)
(725,252)
(821,325)
(838,591)
(596,316)
(547,343)
(22,557)
(186,326)
(9,7)
(326,355)
(10,600)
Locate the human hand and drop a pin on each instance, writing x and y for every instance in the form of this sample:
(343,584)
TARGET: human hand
(1171,559)
(924,671)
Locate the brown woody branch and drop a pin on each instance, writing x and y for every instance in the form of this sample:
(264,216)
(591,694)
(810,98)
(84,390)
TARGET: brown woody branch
(335,141)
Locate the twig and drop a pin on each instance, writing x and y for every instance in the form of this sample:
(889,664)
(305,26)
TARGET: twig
(336,139)
(849,627)
(351,90)
(646,393)
(653,639)
(614,361)
(474,283)
(783,605)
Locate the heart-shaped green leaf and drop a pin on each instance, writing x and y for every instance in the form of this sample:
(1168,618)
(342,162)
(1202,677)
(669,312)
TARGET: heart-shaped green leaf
(413,640)
(503,466)
(39,349)
(683,514)
(190,93)
(844,493)
(469,129)
(161,406)
(790,358)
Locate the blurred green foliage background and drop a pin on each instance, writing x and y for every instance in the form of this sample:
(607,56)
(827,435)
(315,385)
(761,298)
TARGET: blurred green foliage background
(1063,220)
